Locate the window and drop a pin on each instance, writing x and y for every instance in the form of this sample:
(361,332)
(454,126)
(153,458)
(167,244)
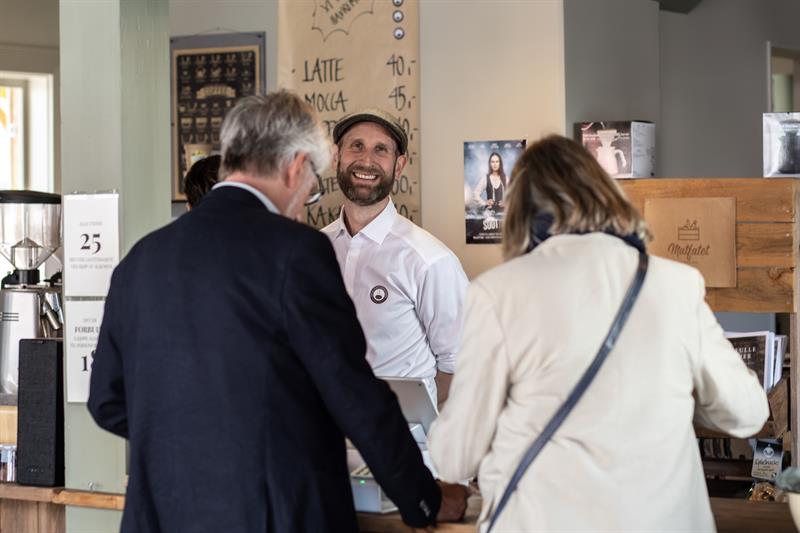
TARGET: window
(26,131)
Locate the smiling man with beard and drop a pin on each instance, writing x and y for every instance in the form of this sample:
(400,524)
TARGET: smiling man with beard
(408,287)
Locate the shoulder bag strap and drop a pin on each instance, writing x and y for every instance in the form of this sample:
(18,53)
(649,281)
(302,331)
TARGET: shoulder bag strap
(580,388)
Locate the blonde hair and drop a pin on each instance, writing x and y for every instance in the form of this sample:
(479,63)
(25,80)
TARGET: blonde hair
(557,176)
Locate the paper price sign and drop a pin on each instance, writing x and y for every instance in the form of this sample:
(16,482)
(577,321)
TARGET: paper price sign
(91,243)
(83,319)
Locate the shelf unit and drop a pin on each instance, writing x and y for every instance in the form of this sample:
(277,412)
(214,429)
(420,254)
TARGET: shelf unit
(767,248)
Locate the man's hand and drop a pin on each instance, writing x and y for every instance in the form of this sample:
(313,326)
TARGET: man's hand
(443,380)
(454,502)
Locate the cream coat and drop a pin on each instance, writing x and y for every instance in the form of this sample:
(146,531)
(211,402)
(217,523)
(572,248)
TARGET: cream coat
(626,459)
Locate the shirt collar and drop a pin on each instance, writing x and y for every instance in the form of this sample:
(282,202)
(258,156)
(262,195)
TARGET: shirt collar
(377,230)
(258,194)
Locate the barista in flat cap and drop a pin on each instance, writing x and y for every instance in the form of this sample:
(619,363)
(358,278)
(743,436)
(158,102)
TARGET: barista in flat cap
(408,287)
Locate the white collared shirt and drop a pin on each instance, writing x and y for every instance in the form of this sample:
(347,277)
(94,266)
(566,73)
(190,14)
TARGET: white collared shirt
(408,289)
(260,195)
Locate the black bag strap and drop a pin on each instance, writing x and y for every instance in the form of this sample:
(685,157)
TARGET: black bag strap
(580,387)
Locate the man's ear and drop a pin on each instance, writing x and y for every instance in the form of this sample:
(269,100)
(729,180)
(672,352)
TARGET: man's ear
(335,158)
(399,165)
(294,172)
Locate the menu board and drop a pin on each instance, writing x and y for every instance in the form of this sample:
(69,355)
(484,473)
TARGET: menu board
(209,74)
(91,243)
(83,320)
(342,56)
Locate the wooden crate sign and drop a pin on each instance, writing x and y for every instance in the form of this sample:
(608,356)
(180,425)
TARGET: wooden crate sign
(700,232)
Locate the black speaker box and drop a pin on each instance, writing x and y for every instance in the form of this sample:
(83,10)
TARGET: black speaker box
(40,431)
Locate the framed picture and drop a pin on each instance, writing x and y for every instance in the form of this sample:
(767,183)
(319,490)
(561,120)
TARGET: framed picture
(209,74)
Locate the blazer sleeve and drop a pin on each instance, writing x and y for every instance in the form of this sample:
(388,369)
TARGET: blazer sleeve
(325,334)
(107,386)
(463,433)
(728,395)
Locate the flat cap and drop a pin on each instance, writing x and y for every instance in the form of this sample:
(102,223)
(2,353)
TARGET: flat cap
(378,116)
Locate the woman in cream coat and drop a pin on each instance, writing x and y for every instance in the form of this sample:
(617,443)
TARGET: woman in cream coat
(626,458)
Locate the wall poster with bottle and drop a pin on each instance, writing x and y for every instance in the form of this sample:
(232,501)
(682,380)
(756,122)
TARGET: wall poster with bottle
(209,74)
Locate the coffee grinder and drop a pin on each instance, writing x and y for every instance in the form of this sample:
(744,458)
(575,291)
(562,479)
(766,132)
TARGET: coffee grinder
(30,231)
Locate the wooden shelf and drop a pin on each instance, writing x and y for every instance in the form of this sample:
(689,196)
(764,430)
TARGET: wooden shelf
(777,426)
(62,496)
(12,491)
(95,500)
(766,236)
(767,277)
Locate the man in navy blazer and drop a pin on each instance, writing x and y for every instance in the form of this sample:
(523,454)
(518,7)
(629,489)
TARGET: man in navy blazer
(231,357)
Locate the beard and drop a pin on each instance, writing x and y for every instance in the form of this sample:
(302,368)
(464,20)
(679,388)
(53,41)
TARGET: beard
(364,194)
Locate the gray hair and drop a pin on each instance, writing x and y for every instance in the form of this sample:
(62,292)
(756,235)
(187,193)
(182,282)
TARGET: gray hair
(261,135)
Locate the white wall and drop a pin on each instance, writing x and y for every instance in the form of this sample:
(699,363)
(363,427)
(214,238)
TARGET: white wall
(612,61)
(714,84)
(490,70)
(189,17)
(29,43)
(29,23)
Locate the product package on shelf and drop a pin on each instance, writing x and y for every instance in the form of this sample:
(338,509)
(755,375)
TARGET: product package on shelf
(782,145)
(726,448)
(758,351)
(625,149)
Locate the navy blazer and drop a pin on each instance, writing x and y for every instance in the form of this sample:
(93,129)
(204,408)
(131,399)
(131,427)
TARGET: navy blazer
(231,357)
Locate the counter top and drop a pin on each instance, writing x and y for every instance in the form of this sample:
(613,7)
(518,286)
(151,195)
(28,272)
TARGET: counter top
(731,515)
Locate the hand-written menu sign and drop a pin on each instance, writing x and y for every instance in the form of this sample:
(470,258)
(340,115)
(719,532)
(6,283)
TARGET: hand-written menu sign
(346,55)
(700,232)
(91,243)
(83,319)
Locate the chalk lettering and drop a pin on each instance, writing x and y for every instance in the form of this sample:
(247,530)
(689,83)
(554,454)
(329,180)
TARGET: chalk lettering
(327,102)
(343,10)
(403,210)
(331,184)
(329,124)
(322,216)
(402,186)
(324,70)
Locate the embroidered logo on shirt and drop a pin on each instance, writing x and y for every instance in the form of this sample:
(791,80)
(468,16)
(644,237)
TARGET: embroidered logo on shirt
(378,294)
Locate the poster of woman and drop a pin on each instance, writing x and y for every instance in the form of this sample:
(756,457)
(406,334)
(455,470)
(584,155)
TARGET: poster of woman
(487,175)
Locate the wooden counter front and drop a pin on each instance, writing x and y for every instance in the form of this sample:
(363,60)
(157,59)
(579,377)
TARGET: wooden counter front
(731,516)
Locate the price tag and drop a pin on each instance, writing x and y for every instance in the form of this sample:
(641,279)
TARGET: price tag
(83,319)
(91,243)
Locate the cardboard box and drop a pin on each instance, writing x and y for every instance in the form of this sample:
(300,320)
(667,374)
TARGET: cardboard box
(782,145)
(625,149)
